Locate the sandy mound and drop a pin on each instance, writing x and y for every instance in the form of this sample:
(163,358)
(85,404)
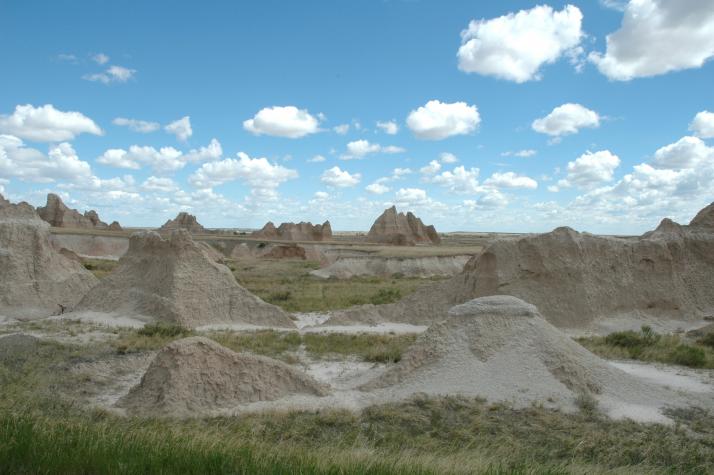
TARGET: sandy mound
(35,280)
(3,201)
(195,376)
(401,230)
(184,221)
(501,348)
(59,215)
(347,267)
(285,252)
(578,279)
(295,232)
(174,280)
(704,219)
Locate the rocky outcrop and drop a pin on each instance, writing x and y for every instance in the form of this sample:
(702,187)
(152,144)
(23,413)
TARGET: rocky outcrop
(35,279)
(704,219)
(197,376)
(283,251)
(183,221)
(401,230)
(3,201)
(295,232)
(58,215)
(578,279)
(175,280)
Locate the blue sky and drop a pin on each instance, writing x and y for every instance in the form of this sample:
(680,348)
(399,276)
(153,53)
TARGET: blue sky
(527,118)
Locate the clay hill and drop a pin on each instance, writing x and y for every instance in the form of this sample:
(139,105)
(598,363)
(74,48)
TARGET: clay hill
(3,201)
(35,279)
(196,376)
(577,279)
(301,231)
(401,230)
(501,348)
(59,215)
(175,280)
(183,221)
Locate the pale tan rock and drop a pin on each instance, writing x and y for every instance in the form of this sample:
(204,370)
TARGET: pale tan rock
(295,232)
(183,221)
(58,215)
(401,230)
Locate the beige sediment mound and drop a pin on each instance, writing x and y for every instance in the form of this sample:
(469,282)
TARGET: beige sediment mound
(196,376)
(502,349)
(401,230)
(174,280)
(577,279)
(285,252)
(3,201)
(92,245)
(35,279)
(301,231)
(184,221)
(59,215)
(430,266)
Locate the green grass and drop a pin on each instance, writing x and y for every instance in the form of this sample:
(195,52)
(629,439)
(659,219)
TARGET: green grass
(368,347)
(99,267)
(646,345)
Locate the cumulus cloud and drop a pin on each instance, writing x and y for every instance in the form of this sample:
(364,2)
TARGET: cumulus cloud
(657,37)
(213,151)
(590,170)
(112,74)
(377,188)
(46,124)
(321,195)
(100,58)
(447,158)
(141,126)
(340,179)
(687,152)
(511,180)
(288,121)
(259,174)
(460,180)
(703,125)
(566,119)
(389,127)
(181,128)
(163,160)
(519,153)
(515,46)
(341,129)
(160,184)
(316,159)
(29,164)
(431,169)
(438,120)
(359,149)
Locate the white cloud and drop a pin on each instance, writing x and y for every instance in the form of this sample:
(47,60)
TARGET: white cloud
(112,74)
(341,129)
(388,127)
(339,178)
(431,169)
(411,197)
(687,152)
(288,121)
(163,160)
(447,158)
(377,188)
(703,125)
(400,172)
(493,199)
(321,195)
(136,125)
(460,180)
(100,58)
(515,46)
(566,119)
(213,151)
(46,124)
(181,128)
(591,169)
(316,159)
(438,120)
(164,185)
(657,37)
(29,164)
(358,149)
(519,153)
(259,174)
(511,180)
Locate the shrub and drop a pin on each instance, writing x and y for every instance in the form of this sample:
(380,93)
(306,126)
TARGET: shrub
(386,296)
(280,296)
(707,340)
(626,339)
(688,356)
(163,329)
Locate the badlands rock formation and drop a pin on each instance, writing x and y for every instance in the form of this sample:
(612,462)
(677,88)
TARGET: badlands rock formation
(578,279)
(295,232)
(401,230)
(196,376)
(35,279)
(174,280)
(183,221)
(3,201)
(430,266)
(501,348)
(59,215)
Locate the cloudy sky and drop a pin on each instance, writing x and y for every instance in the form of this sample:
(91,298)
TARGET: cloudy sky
(482,116)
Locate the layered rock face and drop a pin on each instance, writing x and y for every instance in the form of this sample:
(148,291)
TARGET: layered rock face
(197,376)
(3,201)
(401,230)
(184,221)
(175,280)
(59,215)
(35,279)
(295,232)
(576,279)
